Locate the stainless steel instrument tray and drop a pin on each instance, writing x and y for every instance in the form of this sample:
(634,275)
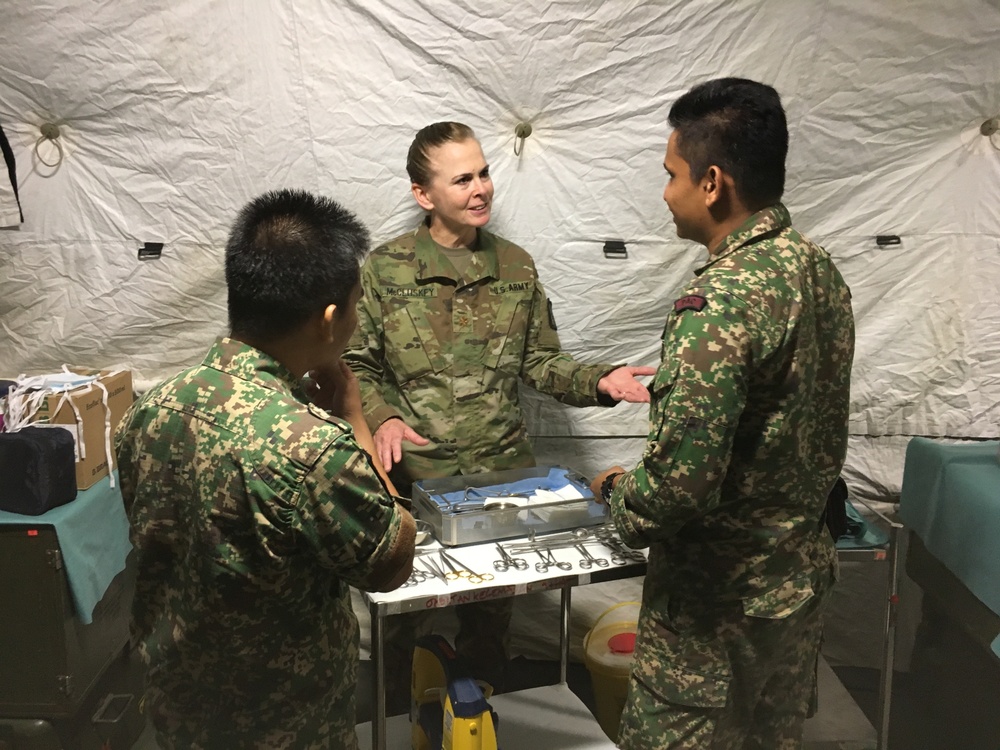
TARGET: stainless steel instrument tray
(472,525)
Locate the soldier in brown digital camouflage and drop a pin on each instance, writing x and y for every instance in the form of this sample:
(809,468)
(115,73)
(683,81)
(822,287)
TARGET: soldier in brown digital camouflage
(748,433)
(452,319)
(255,502)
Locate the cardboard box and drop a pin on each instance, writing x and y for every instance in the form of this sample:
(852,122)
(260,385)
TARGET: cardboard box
(91,423)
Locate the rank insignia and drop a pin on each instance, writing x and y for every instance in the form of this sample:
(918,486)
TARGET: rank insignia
(691,302)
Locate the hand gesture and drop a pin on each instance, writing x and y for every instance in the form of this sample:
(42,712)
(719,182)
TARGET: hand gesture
(389,439)
(621,384)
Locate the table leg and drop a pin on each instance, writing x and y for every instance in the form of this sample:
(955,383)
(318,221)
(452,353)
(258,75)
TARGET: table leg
(889,642)
(378,697)
(564,633)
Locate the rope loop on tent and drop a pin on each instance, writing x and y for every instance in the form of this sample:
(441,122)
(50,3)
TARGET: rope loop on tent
(50,132)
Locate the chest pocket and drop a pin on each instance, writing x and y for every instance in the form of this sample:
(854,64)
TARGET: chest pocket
(508,333)
(411,347)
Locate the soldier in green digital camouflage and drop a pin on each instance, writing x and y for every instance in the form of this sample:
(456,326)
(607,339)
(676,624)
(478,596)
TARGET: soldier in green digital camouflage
(748,433)
(452,319)
(254,504)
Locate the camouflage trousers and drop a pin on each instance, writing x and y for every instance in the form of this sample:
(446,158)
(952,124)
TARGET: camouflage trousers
(483,640)
(315,721)
(709,677)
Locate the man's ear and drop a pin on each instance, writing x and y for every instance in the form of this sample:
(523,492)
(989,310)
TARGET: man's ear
(711,185)
(329,313)
(420,194)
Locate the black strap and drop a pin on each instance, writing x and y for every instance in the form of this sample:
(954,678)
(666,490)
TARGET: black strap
(8,157)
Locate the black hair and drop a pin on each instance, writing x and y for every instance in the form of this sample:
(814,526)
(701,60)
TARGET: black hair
(433,135)
(289,255)
(739,126)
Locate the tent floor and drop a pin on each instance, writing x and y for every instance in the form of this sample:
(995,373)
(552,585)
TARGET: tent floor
(839,725)
(856,688)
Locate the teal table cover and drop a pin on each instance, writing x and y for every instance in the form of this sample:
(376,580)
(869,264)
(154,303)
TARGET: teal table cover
(951,500)
(93,537)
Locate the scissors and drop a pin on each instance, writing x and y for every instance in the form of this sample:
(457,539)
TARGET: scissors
(548,560)
(589,560)
(458,571)
(435,569)
(506,562)
(417,576)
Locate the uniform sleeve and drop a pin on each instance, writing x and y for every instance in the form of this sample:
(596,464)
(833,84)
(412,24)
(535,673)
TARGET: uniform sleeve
(124,456)
(547,368)
(346,513)
(698,396)
(365,353)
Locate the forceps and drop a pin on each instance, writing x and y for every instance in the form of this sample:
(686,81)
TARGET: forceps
(548,560)
(620,554)
(589,560)
(474,494)
(567,536)
(462,572)
(506,562)
(475,498)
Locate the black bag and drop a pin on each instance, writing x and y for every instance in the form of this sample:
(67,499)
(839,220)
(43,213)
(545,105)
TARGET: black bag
(836,509)
(37,470)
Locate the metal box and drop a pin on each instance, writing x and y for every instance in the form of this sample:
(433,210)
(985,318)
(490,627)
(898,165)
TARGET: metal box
(49,660)
(463,526)
(108,719)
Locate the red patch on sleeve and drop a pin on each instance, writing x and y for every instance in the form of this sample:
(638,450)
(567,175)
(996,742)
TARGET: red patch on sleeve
(691,302)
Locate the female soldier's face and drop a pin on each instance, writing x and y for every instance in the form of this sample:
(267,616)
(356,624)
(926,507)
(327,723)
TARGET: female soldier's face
(460,193)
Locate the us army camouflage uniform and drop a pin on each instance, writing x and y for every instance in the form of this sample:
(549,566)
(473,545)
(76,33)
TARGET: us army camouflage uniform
(445,353)
(251,513)
(748,432)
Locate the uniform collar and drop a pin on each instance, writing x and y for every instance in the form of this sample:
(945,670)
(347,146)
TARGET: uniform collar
(247,363)
(767,221)
(433,264)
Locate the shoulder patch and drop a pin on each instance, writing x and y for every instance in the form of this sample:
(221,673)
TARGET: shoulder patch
(691,302)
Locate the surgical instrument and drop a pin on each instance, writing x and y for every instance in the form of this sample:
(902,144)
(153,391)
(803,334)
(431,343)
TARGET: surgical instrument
(507,561)
(461,571)
(589,560)
(548,560)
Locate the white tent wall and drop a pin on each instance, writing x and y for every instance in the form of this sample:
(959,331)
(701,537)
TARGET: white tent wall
(173,114)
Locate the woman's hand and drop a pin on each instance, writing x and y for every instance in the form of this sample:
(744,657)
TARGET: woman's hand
(389,439)
(621,384)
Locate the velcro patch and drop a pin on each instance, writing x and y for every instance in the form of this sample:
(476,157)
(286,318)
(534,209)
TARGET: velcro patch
(691,302)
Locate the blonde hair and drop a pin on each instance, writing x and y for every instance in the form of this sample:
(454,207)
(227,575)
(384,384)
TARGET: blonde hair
(436,134)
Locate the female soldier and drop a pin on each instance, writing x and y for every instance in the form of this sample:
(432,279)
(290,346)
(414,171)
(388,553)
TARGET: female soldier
(452,318)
